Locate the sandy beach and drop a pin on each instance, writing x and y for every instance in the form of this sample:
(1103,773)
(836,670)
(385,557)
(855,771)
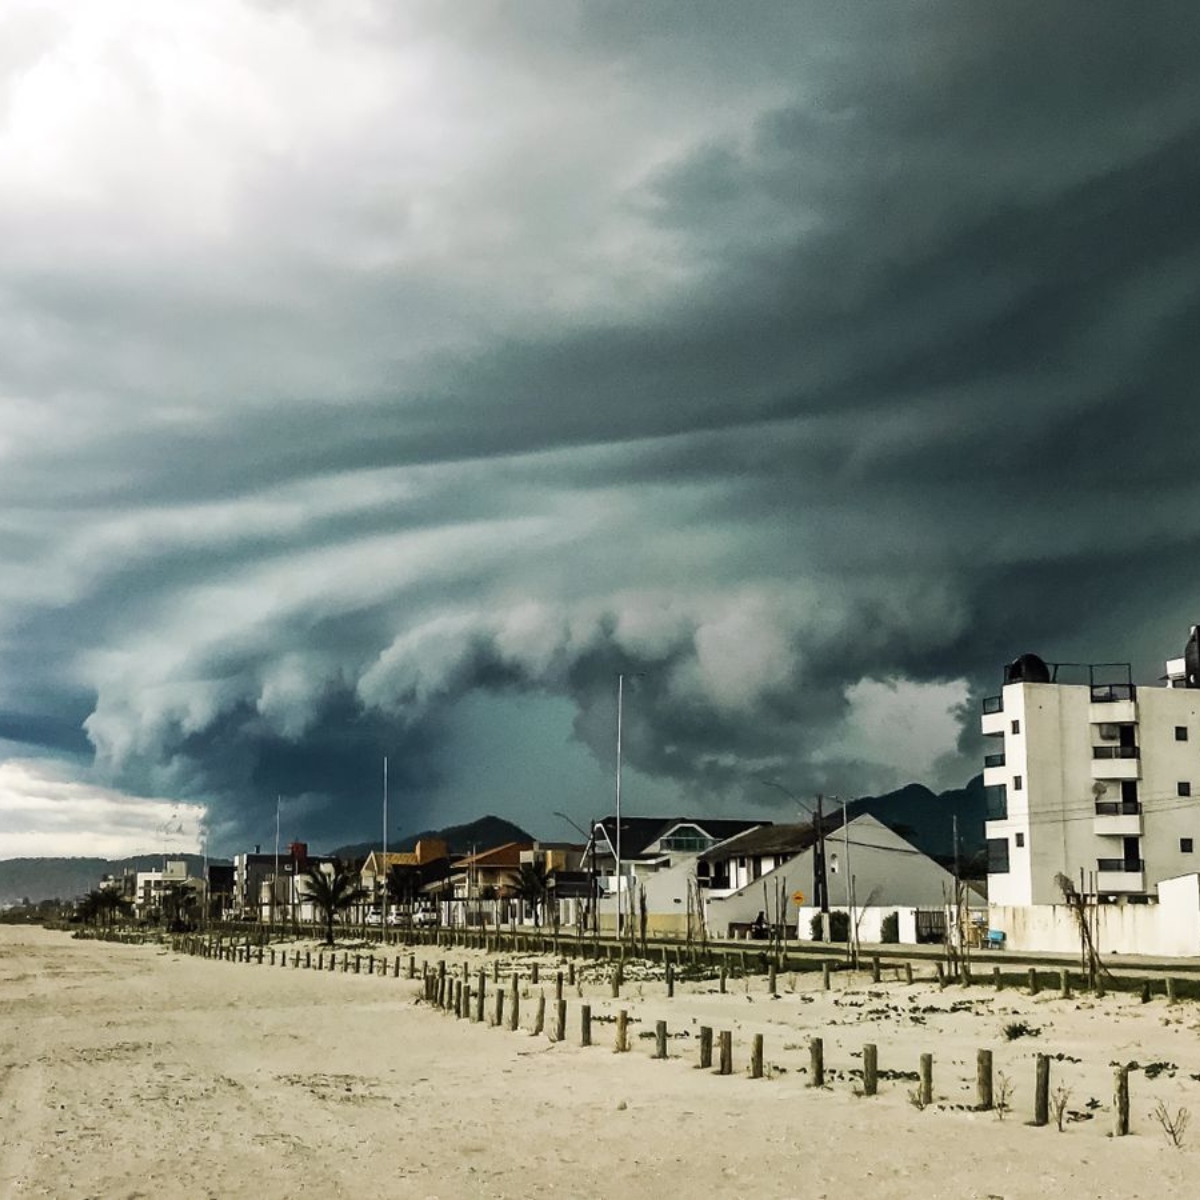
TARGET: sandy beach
(133,1070)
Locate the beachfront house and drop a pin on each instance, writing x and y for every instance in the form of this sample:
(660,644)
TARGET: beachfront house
(658,858)
(871,871)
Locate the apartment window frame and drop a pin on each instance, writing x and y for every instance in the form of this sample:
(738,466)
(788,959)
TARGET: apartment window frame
(1183,787)
(1181,733)
(1018,783)
(1016,726)
(1186,845)
(1020,839)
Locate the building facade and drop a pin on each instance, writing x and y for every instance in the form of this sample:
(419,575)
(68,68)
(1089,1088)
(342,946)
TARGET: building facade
(1093,778)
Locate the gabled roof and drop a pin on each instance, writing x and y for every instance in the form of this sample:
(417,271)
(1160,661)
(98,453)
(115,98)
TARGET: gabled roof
(770,839)
(394,859)
(508,855)
(639,832)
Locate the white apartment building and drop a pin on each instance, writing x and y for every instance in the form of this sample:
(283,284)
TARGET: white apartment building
(1092,777)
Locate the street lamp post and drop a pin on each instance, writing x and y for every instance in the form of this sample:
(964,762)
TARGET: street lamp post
(620,713)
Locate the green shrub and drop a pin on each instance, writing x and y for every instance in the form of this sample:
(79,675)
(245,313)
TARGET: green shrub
(889,929)
(839,927)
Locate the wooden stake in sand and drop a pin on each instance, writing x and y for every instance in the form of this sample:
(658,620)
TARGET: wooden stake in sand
(560,1020)
(1064,985)
(816,1062)
(670,981)
(585,1025)
(1041,1091)
(925,1085)
(825,976)
(705,1047)
(514,995)
(756,1057)
(908,976)
(870,1069)
(983,1081)
(725,1044)
(660,1039)
(622,1040)
(1034,986)
(1121,1102)
(499,1022)
(539,1020)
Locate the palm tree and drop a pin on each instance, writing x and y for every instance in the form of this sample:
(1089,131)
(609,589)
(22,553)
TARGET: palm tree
(532,886)
(332,892)
(178,901)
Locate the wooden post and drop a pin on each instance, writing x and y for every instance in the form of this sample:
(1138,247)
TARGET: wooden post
(983,1080)
(272,956)
(1041,1094)
(1064,985)
(585,1024)
(875,968)
(1034,985)
(496,970)
(371,965)
(771,980)
(725,1045)
(499,1022)
(660,1039)
(941,977)
(466,1013)
(997,981)
(870,1069)
(816,1062)
(412,965)
(479,994)
(358,964)
(616,984)
(514,1016)
(756,1057)
(1146,991)
(345,962)
(724,976)
(705,1047)
(1170,990)
(1121,1102)
(925,1087)
(908,978)
(1098,986)
(560,1020)
(670,981)
(622,1041)
(539,1020)
(571,973)
(825,976)
(558,986)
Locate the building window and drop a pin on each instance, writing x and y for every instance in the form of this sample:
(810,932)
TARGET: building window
(1183,788)
(1185,845)
(997,856)
(1018,783)
(1016,727)
(995,797)
(1181,733)
(1020,840)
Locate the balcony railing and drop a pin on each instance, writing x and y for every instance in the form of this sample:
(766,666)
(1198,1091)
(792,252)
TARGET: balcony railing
(993,704)
(1123,866)
(1118,808)
(1116,752)
(1110,693)
(993,760)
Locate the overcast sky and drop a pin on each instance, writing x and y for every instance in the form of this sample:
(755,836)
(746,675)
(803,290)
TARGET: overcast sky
(385,379)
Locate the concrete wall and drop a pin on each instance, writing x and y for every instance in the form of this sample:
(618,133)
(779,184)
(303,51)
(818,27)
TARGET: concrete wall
(1169,929)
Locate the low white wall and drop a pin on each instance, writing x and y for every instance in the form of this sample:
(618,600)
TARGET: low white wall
(1169,929)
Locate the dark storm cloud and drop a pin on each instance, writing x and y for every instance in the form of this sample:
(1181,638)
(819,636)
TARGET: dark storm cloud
(801,360)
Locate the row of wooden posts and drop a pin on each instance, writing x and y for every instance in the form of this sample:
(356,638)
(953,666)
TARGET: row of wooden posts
(443,990)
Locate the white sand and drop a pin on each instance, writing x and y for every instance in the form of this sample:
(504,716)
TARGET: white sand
(131,1071)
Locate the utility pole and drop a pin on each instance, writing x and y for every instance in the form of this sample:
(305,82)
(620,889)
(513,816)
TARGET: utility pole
(820,878)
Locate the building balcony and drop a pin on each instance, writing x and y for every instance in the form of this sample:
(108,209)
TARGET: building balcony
(992,722)
(1113,712)
(1116,762)
(1117,818)
(1120,875)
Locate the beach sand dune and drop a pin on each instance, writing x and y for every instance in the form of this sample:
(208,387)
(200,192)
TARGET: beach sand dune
(136,1071)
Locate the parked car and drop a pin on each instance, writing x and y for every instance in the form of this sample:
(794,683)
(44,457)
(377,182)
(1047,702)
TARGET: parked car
(374,918)
(425,917)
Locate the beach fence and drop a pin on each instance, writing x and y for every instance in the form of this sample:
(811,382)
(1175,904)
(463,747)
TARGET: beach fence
(448,988)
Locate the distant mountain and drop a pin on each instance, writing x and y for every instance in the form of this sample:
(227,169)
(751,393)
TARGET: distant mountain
(65,878)
(926,819)
(462,839)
